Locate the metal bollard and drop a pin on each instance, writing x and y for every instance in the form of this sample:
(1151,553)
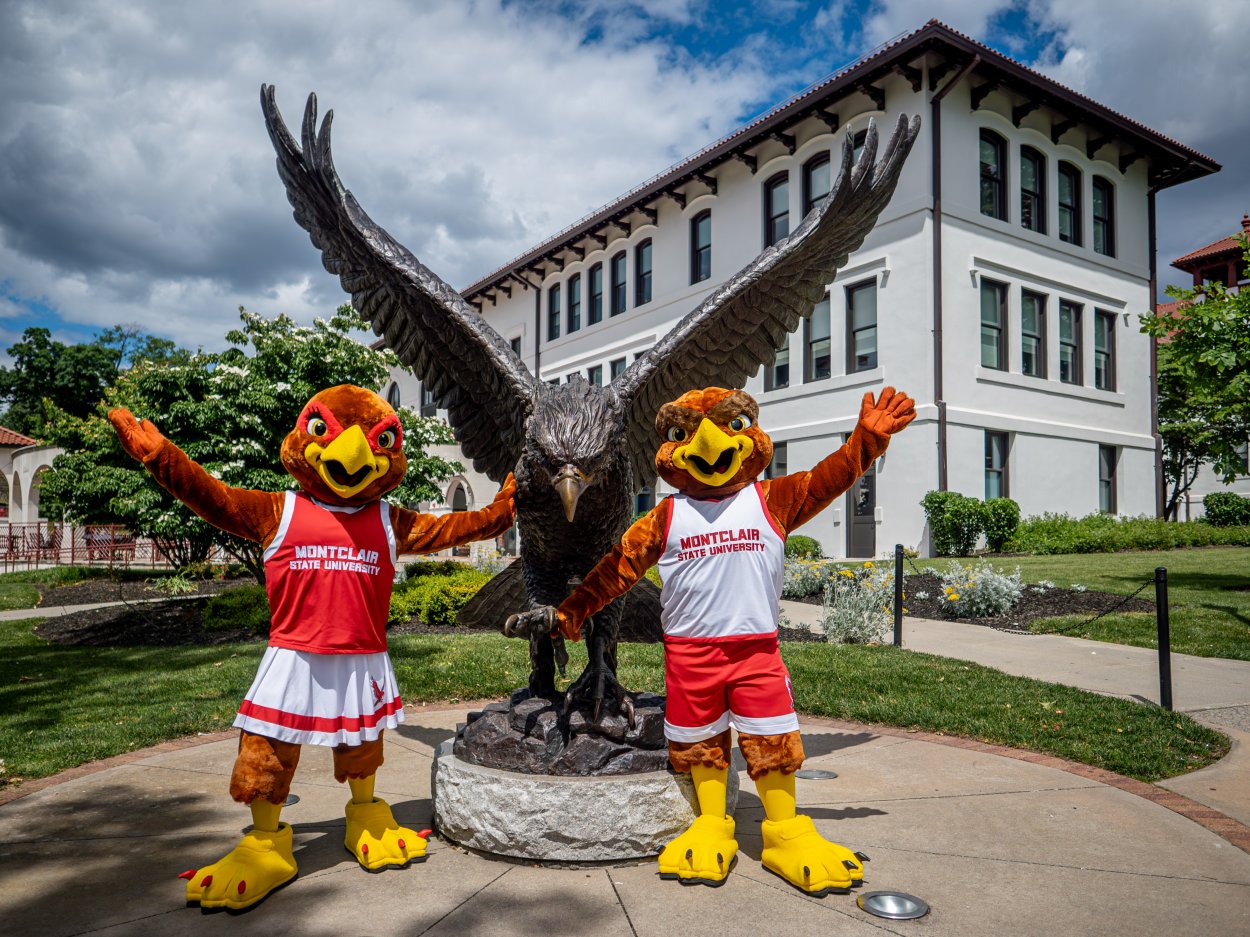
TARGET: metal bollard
(898,595)
(1165,637)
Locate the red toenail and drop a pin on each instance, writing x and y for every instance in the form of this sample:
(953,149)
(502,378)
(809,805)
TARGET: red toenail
(402,844)
(208,880)
(424,833)
(242,887)
(189,873)
(365,849)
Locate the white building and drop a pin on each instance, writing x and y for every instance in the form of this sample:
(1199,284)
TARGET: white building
(1000,287)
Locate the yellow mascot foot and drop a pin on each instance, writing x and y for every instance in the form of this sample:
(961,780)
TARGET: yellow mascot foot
(703,854)
(377,841)
(796,852)
(245,875)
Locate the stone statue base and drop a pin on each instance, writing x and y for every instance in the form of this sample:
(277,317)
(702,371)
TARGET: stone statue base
(560,818)
(533,735)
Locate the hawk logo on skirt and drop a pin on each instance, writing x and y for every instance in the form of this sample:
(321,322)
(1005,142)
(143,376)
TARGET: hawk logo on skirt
(377,693)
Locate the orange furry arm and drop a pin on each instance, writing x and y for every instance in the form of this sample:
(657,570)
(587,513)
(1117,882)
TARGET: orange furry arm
(252,515)
(795,499)
(428,533)
(639,549)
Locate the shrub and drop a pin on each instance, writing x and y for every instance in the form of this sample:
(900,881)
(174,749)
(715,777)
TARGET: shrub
(432,568)
(1226,509)
(1103,533)
(436,599)
(245,608)
(1002,517)
(979,590)
(955,522)
(806,577)
(858,606)
(800,547)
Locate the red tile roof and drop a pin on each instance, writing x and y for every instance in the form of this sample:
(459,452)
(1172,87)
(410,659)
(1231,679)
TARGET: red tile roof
(1226,245)
(9,437)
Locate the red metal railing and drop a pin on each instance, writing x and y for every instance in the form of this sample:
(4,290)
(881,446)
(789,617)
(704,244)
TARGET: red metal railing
(30,546)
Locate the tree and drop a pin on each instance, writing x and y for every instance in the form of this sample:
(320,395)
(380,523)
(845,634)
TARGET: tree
(229,411)
(1203,383)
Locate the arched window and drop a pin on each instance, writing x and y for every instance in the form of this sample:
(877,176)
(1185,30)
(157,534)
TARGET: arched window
(1069,203)
(701,246)
(776,208)
(392,395)
(993,175)
(816,182)
(1104,216)
(642,273)
(1032,189)
(618,283)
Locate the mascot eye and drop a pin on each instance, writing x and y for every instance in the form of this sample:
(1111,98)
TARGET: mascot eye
(317,426)
(386,438)
(675,434)
(740,422)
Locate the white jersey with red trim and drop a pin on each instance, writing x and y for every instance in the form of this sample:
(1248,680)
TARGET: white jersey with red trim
(722,567)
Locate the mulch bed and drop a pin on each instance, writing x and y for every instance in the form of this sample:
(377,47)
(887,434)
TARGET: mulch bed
(1032,605)
(92,591)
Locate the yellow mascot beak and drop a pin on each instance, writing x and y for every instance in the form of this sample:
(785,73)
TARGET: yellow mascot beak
(347,465)
(713,456)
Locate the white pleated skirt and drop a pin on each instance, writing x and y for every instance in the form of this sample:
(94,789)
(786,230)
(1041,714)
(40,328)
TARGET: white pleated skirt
(321,699)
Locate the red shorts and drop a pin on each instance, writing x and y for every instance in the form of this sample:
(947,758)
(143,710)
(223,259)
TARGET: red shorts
(713,684)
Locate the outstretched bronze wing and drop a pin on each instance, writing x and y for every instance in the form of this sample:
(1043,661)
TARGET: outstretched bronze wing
(471,371)
(738,327)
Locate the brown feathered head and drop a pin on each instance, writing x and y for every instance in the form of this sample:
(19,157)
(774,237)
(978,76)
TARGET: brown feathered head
(346,447)
(710,445)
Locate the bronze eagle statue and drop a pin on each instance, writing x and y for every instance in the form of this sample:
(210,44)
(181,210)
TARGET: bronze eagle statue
(579,451)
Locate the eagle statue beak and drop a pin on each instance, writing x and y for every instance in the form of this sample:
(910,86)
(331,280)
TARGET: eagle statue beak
(347,465)
(713,456)
(569,485)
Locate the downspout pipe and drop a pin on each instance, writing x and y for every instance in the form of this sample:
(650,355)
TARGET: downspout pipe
(935,131)
(1160,487)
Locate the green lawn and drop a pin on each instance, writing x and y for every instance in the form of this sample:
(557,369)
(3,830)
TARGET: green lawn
(66,706)
(1208,591)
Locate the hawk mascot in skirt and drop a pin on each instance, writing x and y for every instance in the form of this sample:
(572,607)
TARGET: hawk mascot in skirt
(330,556)
(720,548)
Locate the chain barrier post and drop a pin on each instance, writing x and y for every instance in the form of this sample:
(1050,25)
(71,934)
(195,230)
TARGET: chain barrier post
(1165,637)
(898,595)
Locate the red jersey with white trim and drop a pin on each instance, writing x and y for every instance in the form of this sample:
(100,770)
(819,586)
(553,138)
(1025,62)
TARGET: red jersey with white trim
(722,567)
(329,572)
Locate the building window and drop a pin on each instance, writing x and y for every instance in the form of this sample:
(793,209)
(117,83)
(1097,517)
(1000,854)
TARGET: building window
(995,465)
(575,376)
(1104,350)
(574,316)
(428,406)
(993,325)
(993,175)
(644,501)
(857,146)
(778,466)
(642,273)
(777,374)
(701,246)
(1032,189)
(617,268)
(1069,203)
(1106,479)
(392,395)
(595,375)
(776,208)
(1243,456)
(1032,334)
(553,313)
(861,327)
(516,346)
(596,295)
(616,367)
(1104,216)
(1069,342)
(816,182)
(817,360)
(553,381)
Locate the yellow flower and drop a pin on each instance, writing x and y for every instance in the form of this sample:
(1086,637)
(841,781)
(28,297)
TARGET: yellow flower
(846,572)
(954,597)
(868,564)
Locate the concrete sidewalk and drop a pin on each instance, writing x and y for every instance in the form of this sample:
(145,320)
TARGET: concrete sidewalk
(997,843)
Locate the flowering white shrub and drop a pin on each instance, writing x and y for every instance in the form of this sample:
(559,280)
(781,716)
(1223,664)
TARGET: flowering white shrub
(1044,585)
(1077,587)
(979,591)
(806,577)
(859,605)
(490,561)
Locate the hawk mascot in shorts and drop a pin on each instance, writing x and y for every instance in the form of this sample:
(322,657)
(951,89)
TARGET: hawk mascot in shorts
(720,548)
(325,679)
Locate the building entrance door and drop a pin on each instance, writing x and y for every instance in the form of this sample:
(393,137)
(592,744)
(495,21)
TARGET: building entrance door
(861,508)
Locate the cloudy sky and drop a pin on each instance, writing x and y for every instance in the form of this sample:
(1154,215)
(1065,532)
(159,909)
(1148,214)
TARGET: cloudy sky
(137,182)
